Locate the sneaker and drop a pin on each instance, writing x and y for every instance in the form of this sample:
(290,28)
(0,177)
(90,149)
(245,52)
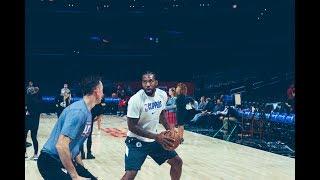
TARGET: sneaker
(90,156)
(28,144)
(35,157)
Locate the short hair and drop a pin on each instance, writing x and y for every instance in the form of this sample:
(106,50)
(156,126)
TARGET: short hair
(150,73)
(183,88)
(89,84)
(173,91)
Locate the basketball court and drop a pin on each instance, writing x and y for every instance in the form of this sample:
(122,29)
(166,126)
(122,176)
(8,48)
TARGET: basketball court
(204,158)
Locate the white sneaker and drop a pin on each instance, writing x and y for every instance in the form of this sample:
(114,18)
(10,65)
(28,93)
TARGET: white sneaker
(35,157)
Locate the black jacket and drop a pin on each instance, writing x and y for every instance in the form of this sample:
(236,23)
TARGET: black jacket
(182,113)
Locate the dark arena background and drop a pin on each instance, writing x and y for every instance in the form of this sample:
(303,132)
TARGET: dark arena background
(238,51)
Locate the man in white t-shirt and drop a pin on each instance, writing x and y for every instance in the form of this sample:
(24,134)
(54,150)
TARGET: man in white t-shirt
(66,94)
(145,112)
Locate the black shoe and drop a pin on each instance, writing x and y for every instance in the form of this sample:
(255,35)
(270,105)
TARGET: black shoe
(90,156)
(28,144)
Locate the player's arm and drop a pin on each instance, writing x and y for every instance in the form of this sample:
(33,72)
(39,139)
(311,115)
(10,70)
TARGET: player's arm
(133,127)
(72,126)
(79,160)
(160,138)
(163,120)
(65,155)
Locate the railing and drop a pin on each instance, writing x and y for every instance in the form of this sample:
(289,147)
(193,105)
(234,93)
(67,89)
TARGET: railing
(273,117)
(52,99)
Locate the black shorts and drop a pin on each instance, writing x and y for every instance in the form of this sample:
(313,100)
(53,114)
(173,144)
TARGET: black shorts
(51,168)
(137,151)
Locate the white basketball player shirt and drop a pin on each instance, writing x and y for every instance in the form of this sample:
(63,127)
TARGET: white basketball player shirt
(148,110)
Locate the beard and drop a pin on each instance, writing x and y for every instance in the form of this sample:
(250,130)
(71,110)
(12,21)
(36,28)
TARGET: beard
(149,92)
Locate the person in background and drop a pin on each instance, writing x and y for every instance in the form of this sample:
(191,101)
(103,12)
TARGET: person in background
(171,108)
(97,115)
(66,94)
(202,103)
(33,111)
(181,103)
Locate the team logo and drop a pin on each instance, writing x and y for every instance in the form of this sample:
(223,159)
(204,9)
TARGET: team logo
(64,170)
(87,129)
(138,144)
(152,105)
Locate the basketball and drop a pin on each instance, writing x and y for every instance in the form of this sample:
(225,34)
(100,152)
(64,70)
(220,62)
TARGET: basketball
(174,135)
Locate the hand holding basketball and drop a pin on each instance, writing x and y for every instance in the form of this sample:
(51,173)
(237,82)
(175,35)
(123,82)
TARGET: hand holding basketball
(174,135)
(165,141)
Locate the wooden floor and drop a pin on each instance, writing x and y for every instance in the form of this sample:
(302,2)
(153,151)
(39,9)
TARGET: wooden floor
(204,158)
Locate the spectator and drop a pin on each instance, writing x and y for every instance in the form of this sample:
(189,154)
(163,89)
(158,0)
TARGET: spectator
(192,108)
(114,95)
(219,106)
(291,92)
(171,107)
(202,103)
(97,115)
(33,110)
(31,89)
(290,104)
(66,94)
(114,104)
(181,103)
(207,110)
(122,107)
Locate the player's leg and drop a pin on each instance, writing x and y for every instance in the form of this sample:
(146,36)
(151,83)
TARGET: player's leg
(160,155)
(136,153)
(129,175)
(34,134)
(50,168)
(176,167)
(25,148)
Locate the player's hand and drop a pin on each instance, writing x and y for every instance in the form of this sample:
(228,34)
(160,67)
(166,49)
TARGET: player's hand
(166,141)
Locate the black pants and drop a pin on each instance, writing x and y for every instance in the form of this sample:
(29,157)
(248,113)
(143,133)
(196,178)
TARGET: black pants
(51,169)
(89,142)
(32,124)
(59,110)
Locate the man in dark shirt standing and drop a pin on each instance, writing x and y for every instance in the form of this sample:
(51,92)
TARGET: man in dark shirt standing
(33,110)
(181,103)
(97,115)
